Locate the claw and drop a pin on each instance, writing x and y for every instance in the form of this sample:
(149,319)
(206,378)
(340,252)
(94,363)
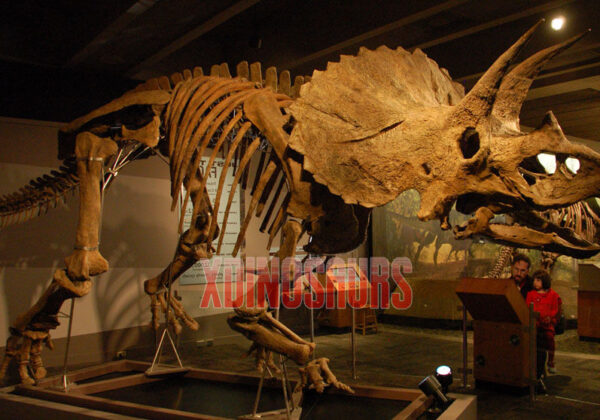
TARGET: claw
(176,312)
(318,375)
(181,314)
(39,372)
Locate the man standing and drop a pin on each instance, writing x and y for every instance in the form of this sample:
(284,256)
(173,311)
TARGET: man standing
(520,273)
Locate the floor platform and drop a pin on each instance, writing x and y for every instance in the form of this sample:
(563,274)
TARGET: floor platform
(121,388)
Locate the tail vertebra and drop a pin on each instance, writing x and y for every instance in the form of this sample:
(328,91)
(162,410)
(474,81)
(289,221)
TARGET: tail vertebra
(40,195)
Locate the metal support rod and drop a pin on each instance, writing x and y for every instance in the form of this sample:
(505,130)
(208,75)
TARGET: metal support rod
(157,353)
(65,381)
(353,338)
(264,372)
(284,387)
(312,324)
(532,355)
(465,348)
(258,392)
(283,370)
(312,328)
(174,348)
(169,300)
(288,387)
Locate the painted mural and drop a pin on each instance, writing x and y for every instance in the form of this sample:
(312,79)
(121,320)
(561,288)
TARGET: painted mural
(439,261)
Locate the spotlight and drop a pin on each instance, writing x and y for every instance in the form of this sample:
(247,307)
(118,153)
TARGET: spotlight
(557,23)
(431,387)
(444,376)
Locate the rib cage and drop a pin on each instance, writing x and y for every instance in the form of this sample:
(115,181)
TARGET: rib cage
(206,112)
(188,82)
(47,191)
(578,217)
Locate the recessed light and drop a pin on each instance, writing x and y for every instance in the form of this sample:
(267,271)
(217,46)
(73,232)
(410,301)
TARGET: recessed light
(558,23)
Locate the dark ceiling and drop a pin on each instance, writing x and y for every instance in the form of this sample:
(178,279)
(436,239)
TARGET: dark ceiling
(59,59)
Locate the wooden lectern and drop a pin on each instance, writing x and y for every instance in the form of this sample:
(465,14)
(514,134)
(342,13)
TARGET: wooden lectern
(588,301)
(500,330)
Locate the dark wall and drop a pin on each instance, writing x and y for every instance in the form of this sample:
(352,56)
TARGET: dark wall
(54,94)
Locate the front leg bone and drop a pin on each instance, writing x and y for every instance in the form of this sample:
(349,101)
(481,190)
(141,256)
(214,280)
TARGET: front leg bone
(192,246)
(157,287)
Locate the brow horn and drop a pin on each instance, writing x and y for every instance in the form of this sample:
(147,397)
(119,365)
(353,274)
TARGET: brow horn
(515,85)
(479,101)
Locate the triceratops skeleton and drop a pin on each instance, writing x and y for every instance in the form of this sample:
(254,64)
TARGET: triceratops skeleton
(353,137)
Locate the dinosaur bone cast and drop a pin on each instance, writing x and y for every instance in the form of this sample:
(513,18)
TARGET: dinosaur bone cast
(269,335)
(311,376)
(333,146)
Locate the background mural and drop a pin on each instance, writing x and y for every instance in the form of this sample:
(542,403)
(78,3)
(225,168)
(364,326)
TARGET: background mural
(439,261)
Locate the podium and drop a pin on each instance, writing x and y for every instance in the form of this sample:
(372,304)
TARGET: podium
(501,337)
(588,301)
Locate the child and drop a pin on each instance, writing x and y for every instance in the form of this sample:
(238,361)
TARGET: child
(546,303)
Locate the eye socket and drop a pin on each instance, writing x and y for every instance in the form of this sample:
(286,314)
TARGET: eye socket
(548,161)
(469,142)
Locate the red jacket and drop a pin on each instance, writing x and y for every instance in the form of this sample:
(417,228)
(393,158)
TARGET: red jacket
(547,304)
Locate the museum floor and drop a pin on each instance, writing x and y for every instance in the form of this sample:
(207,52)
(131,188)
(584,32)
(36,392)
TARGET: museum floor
(402,356)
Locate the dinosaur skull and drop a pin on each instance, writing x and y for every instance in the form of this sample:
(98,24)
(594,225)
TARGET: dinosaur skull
(386,121)
(491,167)
(502,174)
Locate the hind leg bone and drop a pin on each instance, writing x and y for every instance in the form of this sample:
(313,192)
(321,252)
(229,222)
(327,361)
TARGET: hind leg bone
(31,329)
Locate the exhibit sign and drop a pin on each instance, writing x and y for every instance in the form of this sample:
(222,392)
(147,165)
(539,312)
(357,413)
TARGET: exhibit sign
(195,275)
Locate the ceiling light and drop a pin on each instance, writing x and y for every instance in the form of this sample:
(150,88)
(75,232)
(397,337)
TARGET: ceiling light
(557,23)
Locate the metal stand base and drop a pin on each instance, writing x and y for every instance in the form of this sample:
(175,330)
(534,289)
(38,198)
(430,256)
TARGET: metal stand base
(156,369)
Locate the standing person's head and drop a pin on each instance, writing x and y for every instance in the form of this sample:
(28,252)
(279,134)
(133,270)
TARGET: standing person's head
(520,268)
(541,280)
